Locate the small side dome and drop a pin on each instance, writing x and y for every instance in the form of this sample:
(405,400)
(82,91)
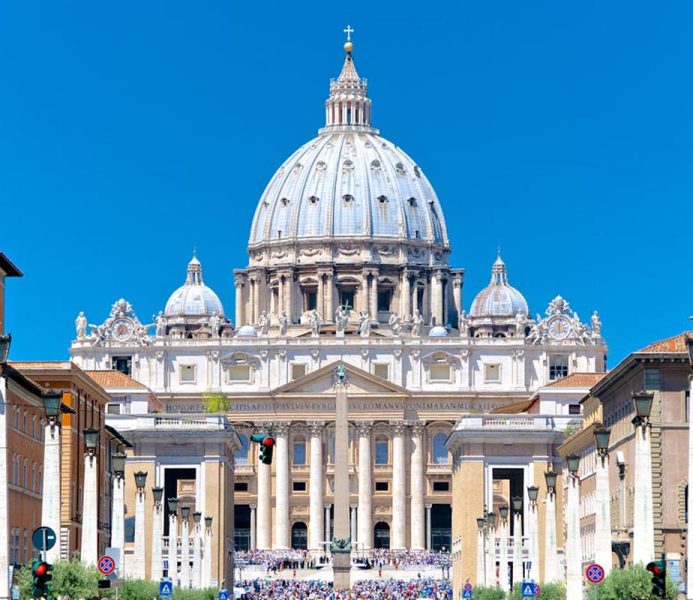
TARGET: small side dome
(438,331)
(247,331)
(194,298)
(498,299)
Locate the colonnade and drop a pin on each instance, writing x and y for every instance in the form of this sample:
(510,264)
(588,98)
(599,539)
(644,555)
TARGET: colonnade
(275,533)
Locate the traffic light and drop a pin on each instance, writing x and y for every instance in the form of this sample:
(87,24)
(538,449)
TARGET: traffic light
(42,572)
(266,446)
(658,568)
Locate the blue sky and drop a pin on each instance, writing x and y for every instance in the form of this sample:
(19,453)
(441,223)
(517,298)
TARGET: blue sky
(131,132)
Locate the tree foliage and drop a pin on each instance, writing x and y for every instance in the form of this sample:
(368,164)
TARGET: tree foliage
(488,593)
(216,403)
(633,583)
(549,591)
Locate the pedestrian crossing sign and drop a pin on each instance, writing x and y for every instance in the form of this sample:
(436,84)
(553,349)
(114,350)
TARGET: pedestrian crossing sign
(165,588)
(527,589)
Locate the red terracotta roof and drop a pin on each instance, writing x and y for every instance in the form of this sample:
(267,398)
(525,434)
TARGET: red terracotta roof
(577,380)
(115,379)
(672,344)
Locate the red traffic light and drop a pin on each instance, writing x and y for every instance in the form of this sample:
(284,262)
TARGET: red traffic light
(41,569)
(653,567)
(268,441)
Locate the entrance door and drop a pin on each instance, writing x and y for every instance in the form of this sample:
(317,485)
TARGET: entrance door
(381,536)
(441,527)
(299,536)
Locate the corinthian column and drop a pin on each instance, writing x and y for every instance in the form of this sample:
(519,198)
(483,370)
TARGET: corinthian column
(317,524)
(240,306)
(365,510)
(405,306)
(399,488)
(281,533)
(418,524)
(374,295)
(264,506)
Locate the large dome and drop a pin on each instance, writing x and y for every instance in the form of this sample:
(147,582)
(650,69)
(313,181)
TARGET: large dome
(499,299)
(194,298)
(349,183)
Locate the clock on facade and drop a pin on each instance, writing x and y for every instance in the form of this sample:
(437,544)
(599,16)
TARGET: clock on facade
(559,327)
(122,329)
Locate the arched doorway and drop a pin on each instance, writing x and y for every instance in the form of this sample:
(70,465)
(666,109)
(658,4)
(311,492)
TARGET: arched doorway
(381,535)
(299,536)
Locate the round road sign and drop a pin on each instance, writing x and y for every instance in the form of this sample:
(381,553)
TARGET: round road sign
(594,573)
(43,538)
(106,565)
(537,589)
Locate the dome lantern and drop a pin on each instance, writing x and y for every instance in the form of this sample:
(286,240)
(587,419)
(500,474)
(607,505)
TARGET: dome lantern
(499,298)
(193,299)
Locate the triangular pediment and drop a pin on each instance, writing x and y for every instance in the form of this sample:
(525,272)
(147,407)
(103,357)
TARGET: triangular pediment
(323,380)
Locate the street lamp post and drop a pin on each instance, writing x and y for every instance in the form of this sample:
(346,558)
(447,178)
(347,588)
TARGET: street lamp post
(533,533)
(185,548)
(139,570)
(486,549)
(551,542)
(602,517)
(518,556)
(50,505)
(573,551)
(173,540)
(157,534)
(689,508)
(118,507)
(207,554)
(643,518)
(503,543)
(90,533)
(197,551)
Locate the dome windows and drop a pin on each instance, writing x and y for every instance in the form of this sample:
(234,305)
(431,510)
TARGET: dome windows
(284,201)
(400,169)
(382,199)
(313,199)
(412,202)
(297,168)
(348,166)
(321,165)
(348,198)
(417,172)
(376,166)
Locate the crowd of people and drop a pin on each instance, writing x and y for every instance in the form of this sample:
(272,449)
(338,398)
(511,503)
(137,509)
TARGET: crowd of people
(390,589)
(274,561)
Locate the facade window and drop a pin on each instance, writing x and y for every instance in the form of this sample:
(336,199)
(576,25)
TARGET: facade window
(381,370)
(238,373)
(113,408)
(439,373)
(440,452)
(40,481)
(14,546)
(310,300)
(297,370)
(346,298)
(33,427)
(384,300)
(122,364)
(187,373)
(299,486)
(381,450)
(558,367)
(25,422)
(492,373)
(15,470)
(382,486)
(653,380)
(240,486)
(573,409)
(300,452)
(330,446)
(33,478)
(441,486)
(25,474)
(241,456)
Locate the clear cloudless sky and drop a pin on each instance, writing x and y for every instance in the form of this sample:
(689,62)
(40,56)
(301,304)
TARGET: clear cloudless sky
(131,132)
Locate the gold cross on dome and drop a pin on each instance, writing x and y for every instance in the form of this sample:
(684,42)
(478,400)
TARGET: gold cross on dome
(349,31)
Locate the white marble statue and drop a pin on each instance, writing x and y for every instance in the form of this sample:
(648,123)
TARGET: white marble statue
(264,323)
(364,328)
(520,320)
(98,333)
(463,324)
(81,326)
(314,320)
(395,323)
(596,324)
(283,324)
(160,324)
(214,323)
(417,322)
(341,318)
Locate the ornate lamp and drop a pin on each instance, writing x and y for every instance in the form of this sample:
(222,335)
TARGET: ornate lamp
(601,437)
(503,512)
(642,401)
(91,439)
(185,512)
(573,463)
(480,523)
(197,517)
(533,493)
(51,405)
(173,505)
(550,477)
(140,480)
(517,504)
(208,522)
(157,494)
(491,517)
(5,343)
(119,459)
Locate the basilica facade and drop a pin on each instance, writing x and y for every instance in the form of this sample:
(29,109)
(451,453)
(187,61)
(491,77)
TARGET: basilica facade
(349,263)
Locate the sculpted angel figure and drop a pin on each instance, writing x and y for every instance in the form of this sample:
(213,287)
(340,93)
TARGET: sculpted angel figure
(160,324)
(417,322)
(283,323)
(395,323)
(314,320)
(81,326)
(596,324)
(364,328)
(341,318)
(264,323)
